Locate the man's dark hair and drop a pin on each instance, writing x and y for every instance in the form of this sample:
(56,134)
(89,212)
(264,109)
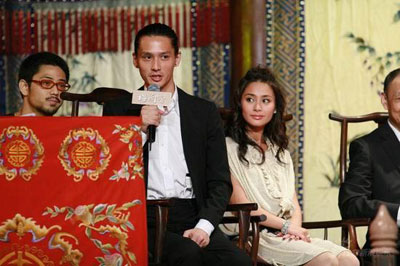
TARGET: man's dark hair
(389,78)
(157,29)
(31,65)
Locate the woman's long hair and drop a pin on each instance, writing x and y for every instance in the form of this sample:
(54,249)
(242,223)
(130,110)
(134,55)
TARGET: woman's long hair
(275,130)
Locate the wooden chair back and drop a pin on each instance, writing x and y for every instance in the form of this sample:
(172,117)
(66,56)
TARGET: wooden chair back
(98,95)
(349,234)
(378,117)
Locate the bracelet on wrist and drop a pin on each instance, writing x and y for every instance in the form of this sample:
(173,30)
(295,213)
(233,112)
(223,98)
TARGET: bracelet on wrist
(285,227)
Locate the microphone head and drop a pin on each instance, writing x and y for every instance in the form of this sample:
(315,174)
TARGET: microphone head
(153,87)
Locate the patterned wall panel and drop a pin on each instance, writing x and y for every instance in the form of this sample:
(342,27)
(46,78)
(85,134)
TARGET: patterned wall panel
(211,49)
(2,85)
(13,96)
(285,55)
(212,73)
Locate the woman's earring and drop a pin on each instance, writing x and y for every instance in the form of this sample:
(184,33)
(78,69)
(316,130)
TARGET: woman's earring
(274,111)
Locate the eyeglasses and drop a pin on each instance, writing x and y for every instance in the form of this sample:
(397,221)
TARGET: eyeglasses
(48,84)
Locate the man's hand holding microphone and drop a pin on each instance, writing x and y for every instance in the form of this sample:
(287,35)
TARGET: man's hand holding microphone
(150,113)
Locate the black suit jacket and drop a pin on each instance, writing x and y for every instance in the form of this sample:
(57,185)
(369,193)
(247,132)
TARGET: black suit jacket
(373,176)
(204,147)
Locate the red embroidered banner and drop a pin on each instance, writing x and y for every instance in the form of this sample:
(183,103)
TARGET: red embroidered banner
(72,191)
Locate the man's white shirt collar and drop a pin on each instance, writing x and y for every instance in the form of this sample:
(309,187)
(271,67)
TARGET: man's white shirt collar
(29,114)
(173,105)
(395,130)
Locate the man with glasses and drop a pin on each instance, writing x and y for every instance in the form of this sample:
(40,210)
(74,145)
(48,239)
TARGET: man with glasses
(42,77)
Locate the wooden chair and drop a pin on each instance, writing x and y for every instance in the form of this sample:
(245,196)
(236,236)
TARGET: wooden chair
(349,234)
(243,218)
(348,226)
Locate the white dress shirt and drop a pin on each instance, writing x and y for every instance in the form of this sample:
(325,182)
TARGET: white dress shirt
(397,133)
(168,174)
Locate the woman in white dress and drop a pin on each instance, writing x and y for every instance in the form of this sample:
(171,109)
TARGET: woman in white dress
(262,172)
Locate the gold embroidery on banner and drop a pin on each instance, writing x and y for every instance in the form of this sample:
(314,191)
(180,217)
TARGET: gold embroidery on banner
(24,253)
(72,256)
(21,153)
(119,224)
(21,258)
(22,226)
(18,153)
(84,152)
(134,166)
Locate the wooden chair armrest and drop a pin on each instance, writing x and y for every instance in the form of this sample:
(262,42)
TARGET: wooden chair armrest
(357,221)
(348,226)
(242,207)
(323,224)
(336,223)
(160,202)
(258,218)
(235,219)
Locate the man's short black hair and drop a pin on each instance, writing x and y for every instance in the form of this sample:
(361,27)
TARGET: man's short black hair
(31,65)
(157,29)
(389,78)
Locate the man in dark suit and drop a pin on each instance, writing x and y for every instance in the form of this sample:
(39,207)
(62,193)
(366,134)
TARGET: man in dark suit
(187,160)
(373,177)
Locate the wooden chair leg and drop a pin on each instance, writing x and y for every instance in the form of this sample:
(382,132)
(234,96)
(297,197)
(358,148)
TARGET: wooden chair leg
(345,236)
(161,223)
(255,228)
(75,108)
(244,225)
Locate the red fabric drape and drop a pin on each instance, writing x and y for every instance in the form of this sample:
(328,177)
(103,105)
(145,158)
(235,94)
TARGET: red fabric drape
(73,195)
(111,29)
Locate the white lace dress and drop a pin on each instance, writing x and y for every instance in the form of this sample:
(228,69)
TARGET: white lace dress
(271,185)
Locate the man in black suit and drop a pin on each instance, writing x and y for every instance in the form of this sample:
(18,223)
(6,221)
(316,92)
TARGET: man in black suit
(187,161)
(373,177)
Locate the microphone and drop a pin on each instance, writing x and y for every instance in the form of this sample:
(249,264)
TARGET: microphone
(152,128)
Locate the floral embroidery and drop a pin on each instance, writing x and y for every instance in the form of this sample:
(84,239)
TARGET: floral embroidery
(114,221)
